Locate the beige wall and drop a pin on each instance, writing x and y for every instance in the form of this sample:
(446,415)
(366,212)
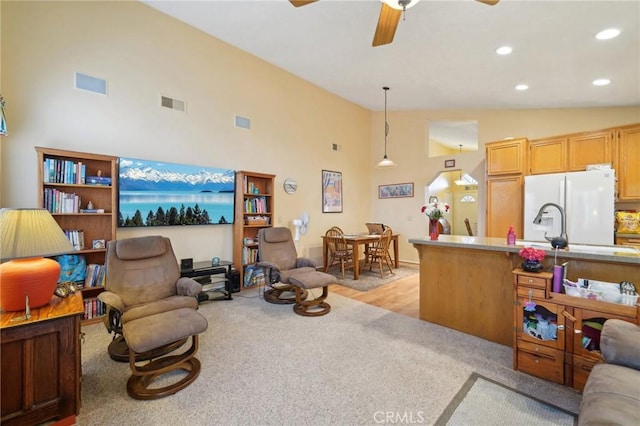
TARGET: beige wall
(408,141)
(144,54)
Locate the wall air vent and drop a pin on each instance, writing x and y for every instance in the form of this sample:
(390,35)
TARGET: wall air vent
(90,84)
(243,122)
(176,104)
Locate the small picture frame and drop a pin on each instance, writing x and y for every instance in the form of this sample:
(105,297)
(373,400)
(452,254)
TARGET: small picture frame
(396,190)
(331,192)
(449,163)
(97,244)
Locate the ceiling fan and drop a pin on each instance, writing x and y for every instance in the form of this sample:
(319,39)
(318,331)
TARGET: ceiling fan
(390,13)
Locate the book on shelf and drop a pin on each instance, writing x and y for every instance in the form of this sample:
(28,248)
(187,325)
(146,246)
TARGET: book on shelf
(95,276)
(63,171)
(93,308)
(76,237)
(91,210)
(98,180)
(56,201)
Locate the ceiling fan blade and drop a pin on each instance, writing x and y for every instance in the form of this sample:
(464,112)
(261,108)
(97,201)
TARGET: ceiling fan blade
(387,24)
(489,2)
(301,2)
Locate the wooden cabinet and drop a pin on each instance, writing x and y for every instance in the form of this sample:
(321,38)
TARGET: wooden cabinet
(548,156)
(506,161)
(627,161)
(254,210)
(505,205)
(557,337)
(506,157)
(590,148)
(54,184)
(628,240)
(539,340)
(41,362)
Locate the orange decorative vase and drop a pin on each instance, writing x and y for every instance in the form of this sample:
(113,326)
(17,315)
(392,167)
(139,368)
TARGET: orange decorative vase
(434,233)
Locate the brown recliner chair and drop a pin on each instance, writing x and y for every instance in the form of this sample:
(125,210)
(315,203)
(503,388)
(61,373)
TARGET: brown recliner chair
(152,311)
(288,274)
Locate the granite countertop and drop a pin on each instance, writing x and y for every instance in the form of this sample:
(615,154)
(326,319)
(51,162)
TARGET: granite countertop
(621,254)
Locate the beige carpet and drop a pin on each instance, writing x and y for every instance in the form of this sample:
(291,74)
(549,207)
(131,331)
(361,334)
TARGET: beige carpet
(507,407)
(264,365)
(369,280)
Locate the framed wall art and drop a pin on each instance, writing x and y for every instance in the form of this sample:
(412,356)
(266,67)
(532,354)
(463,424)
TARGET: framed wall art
(449,163)
(395,190)
(331,192)
(157,193)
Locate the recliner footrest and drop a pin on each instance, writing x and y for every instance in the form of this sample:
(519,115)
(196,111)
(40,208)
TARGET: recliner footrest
(144,334)
(313,279)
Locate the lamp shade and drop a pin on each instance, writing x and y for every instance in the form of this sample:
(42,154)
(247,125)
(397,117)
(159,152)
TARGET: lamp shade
(26,236)
(29,233)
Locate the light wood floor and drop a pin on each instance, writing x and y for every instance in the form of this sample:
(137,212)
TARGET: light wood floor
(400,296)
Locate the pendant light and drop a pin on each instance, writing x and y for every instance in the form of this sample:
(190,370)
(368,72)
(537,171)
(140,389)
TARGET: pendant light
(385,162)
(460,181)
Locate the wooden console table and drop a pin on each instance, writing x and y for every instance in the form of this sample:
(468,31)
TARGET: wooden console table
(41,362)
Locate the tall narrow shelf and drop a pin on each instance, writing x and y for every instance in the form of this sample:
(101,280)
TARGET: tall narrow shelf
(95,226)
(254,211)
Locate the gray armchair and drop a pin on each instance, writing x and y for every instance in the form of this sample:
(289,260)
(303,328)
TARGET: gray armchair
(151,311)
(289,276)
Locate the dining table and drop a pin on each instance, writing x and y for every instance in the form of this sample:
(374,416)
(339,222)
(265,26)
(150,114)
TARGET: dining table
(355,241)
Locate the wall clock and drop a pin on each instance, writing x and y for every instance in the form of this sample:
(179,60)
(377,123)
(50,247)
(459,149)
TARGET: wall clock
(290,185)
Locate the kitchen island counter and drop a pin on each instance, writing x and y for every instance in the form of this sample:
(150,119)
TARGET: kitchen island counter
(466,282)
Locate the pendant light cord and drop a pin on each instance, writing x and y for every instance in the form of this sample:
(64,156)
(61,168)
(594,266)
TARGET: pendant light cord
(386,124)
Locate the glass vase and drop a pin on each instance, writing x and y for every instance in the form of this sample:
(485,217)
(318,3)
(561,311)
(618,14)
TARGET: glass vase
(434,232)
(531,266)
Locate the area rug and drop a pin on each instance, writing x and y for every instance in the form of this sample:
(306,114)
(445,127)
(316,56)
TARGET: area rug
(482,401)
(369,280)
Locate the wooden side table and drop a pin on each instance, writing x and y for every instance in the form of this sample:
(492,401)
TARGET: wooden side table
(41,362)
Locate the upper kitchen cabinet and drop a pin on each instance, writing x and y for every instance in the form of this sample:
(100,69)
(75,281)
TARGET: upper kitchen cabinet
(548,155)
(626,162)
(504,205)
(590,148)
(506,157)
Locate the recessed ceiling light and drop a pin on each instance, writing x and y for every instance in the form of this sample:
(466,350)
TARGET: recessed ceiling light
(504,50)
(522,87)
(608,34)
(601,82)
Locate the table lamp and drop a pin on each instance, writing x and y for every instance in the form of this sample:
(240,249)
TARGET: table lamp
(26,236)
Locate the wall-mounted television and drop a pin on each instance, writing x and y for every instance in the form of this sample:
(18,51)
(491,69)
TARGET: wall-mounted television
(155,193)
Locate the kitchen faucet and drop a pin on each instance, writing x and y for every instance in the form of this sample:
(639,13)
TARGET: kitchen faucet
(556,242)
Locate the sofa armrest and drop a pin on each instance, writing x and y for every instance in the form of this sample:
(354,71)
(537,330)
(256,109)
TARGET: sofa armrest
(620,343)
(188,287)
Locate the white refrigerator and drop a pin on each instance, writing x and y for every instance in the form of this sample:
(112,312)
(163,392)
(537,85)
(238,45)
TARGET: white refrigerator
(587,199)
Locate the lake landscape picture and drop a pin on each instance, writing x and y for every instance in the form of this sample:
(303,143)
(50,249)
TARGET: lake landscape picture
(153,193)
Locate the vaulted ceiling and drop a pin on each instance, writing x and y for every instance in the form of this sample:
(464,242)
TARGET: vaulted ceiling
(443,55)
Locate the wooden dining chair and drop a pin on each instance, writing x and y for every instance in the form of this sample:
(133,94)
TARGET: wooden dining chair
(468,225)
(339,251)
(379,252)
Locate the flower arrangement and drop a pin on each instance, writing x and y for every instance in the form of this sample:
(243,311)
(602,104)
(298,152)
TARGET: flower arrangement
(532,254)
(435,210)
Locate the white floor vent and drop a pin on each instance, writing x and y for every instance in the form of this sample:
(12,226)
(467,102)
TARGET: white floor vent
(176,104)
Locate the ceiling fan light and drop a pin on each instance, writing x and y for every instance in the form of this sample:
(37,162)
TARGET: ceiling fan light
(386,162)
(608,34)
(504,50)
(398,4)
(601,82)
